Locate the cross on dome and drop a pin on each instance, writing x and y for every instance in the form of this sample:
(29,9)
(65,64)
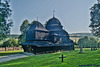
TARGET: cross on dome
(53,13)
(37,18)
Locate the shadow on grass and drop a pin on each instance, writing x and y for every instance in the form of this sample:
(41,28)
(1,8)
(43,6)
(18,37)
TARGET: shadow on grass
(82,53)
(4,54)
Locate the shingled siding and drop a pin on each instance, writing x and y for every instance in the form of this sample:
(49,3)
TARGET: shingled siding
(51,38)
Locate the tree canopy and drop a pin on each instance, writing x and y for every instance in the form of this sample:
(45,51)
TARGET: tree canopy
(88,42)
(23,28)
(95,19)
(5,22)
(10,43)
(84,41)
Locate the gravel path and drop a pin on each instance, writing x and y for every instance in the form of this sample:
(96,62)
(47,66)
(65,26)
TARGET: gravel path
(14,56)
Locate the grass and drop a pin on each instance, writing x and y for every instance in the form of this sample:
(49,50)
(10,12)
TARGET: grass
(73,59)
(10,52)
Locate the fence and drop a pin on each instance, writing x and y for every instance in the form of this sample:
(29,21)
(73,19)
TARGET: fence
(10,48)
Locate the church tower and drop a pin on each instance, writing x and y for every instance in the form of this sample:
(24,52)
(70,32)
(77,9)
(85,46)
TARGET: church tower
(56,32)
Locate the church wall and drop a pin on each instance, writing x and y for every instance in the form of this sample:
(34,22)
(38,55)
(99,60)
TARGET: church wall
(55,34)
(30,35)
(51,49)
(39,35)
(65,39)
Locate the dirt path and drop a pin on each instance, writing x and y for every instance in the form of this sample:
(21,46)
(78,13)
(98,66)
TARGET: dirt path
(14,56)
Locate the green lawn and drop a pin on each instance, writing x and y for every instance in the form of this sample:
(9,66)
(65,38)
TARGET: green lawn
(73,59)
(10,52)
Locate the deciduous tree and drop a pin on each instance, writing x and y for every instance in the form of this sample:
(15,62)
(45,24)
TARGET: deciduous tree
(23,28)
(5,23)
(95,19)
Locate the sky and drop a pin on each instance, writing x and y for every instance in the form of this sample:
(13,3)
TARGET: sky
(74,15)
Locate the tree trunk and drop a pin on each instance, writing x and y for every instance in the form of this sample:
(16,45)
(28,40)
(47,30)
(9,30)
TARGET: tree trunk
(91,49)
(96,48)
(13,48)
(81,50)
(5,48)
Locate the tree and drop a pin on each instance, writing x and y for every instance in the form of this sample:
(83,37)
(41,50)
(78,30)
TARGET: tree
(23,28)
(86,41)
(15,42)
(5,23)
(0,18)
(33,22)
(5,45)
(95,19)
(83,42)
(93,43)
(98,44)
(81,45)
(10,43)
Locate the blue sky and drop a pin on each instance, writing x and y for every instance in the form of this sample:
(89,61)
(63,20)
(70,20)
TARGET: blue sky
(73,14)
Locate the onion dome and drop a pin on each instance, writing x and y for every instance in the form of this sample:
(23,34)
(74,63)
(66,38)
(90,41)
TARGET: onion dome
(55,28)
(53,24)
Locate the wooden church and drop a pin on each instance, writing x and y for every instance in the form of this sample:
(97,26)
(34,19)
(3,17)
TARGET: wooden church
(51,38)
